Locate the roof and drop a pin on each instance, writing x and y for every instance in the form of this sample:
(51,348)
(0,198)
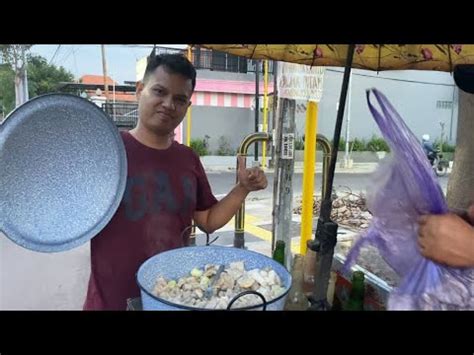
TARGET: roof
(62,86)
(96,79)
(118,96)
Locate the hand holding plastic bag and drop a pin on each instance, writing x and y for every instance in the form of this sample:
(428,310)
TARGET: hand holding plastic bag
(405,187)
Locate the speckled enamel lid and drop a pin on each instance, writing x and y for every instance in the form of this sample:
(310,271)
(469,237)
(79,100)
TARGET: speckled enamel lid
(63,172)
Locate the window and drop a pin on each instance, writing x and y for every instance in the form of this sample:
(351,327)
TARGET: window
(444,105)
(218,61)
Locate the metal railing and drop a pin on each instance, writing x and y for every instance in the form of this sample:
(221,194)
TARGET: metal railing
(219,61)
(123,114)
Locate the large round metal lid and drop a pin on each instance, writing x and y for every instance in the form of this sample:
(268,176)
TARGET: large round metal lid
(63,172)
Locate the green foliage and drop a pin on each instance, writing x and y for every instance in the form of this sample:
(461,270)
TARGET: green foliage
(447,148)
(7,89)
(378,144)
(342,144)
(43,78)
(224,147)
(299,144)
(199,145)
(358,145)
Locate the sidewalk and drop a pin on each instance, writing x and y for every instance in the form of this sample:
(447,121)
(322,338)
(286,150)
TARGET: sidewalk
(228,163)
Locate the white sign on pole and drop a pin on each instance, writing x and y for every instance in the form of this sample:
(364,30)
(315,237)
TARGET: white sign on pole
(288,146)
(300,82)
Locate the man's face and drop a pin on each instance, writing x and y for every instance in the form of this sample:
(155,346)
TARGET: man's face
(163,100)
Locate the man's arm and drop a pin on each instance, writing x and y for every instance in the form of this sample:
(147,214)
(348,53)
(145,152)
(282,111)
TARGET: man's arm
(218,215)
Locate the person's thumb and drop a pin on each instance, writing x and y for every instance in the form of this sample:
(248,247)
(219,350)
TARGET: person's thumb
(241,163)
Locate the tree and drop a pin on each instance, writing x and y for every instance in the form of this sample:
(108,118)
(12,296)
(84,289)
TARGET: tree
(461,181)
(7,89)
(42,79)
(15,56)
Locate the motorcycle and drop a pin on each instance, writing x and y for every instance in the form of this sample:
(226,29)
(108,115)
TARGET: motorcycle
(440,166)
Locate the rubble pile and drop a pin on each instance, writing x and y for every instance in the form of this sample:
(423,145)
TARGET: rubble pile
(349,210)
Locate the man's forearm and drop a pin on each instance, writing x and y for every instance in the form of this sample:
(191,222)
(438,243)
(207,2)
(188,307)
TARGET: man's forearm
(225,209)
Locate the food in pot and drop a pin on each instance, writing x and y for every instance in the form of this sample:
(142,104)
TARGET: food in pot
(190,290)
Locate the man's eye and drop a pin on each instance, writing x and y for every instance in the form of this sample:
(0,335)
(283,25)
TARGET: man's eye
(159,91)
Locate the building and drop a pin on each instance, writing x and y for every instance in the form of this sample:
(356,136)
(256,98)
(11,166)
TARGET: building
(223,104)
(223,108)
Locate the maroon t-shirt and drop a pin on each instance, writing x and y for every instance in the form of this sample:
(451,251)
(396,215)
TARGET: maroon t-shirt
(164,188)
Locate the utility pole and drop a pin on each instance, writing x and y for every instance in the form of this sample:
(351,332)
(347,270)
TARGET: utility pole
(348,125)
(257,102)
(104,68)
(284,171)
(442,124)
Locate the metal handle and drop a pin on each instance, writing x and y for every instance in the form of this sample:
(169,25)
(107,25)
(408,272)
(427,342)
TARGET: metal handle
(183,235)
(232,301)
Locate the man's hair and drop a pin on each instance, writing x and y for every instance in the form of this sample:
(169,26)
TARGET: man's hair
(172,63)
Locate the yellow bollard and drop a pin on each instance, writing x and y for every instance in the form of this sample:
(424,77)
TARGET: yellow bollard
(188,128)
(308,174)
(188,120)
(265,111)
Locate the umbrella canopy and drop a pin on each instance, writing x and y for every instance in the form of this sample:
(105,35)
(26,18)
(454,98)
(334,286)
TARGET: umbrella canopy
(439,57)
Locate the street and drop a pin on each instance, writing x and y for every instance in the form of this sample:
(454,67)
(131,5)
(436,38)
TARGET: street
(222,183)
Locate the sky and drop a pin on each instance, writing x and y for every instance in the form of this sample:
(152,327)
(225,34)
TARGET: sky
(87,59)
(121,60)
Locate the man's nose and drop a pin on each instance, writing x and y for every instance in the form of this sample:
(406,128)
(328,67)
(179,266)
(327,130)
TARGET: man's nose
(168,103)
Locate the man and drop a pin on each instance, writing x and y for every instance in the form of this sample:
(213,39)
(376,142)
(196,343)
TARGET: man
(166,189)
(428,147)
(448,239)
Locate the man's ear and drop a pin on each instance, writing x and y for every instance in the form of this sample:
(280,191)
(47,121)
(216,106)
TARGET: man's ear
(139,88)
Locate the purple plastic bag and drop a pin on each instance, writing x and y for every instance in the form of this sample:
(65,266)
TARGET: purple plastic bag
(405,187)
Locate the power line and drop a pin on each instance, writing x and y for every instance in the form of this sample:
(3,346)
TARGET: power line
(65,57)
(393,79)
(54,55)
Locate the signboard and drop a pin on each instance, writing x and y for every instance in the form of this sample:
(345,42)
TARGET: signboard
(300,82)
(288,146)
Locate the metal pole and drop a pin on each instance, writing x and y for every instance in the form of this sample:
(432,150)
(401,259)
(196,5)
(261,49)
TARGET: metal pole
(113,88)
(442,124)
(257,104)
(239,239)
(284,171)
(265,112)
(25,78)
(311,125)
(274,110)
(337,131)
(452,113)
(326,231)
(327,150)
(104,68)
(275,133)
(348,124)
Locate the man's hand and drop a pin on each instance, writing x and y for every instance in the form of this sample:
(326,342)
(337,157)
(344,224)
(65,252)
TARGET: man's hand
(447,239)
(252,179)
